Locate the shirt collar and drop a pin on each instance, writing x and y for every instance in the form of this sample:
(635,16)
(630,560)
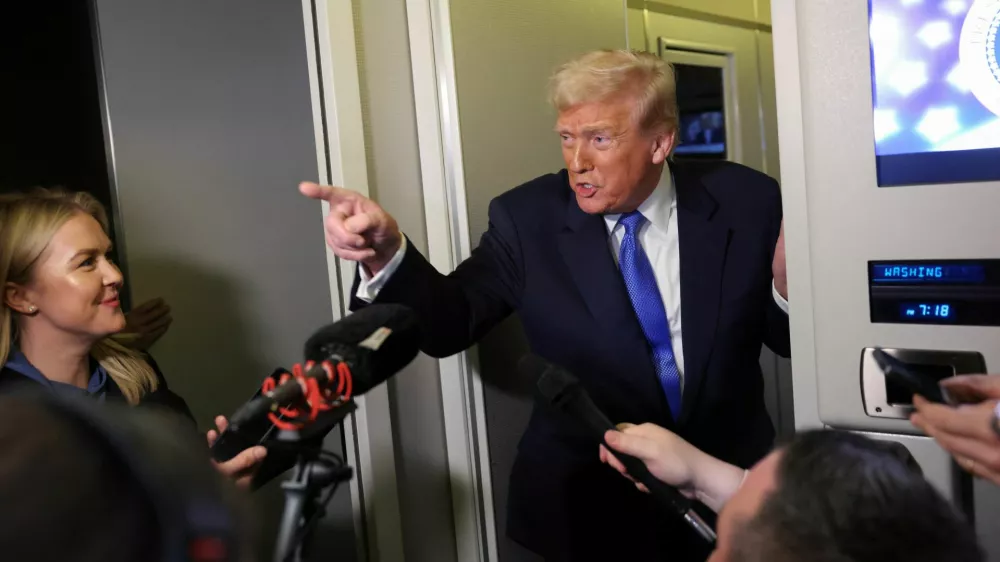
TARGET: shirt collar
(97,385)
(657,208)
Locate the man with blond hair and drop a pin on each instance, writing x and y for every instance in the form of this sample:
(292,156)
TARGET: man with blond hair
(655,282)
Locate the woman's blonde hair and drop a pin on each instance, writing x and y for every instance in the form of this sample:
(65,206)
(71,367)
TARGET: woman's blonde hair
(28,221)
(600,75)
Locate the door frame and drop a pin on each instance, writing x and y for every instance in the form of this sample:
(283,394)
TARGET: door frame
(335,94)
(448,243)
(792,160)
(341,160)
(676,53)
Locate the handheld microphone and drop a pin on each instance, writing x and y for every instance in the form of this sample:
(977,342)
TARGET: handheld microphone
(563,391)
(348,357)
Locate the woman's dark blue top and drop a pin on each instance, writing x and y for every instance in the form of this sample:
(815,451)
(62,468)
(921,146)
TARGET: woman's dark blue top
(18,374)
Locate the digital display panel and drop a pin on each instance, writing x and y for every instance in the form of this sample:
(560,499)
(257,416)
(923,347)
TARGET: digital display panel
(936,90)
(928,273)
(922,310)
(955,292)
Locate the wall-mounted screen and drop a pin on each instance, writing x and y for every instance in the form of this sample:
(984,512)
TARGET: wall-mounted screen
(701,99)
(703,132)
(936,87)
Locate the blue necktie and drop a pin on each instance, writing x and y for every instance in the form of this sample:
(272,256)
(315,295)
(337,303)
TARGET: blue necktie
(648,306)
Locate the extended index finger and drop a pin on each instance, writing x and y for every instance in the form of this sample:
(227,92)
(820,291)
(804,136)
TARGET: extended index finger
(329,193)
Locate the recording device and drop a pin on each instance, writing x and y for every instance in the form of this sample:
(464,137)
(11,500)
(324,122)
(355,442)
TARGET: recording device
(349,357)
(293,411)
(361,350)
(563,391)
(282,453)
(913,381)
(263,431)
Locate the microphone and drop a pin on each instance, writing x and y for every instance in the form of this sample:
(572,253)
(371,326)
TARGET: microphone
(348,357)
(563,391)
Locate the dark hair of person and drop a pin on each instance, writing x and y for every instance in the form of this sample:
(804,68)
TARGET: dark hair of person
(64,495)
(844,497)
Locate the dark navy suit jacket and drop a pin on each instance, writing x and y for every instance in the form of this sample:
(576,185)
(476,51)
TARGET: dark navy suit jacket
(545,259)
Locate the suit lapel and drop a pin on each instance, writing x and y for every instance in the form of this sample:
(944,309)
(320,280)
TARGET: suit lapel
(587,252)
(703,245)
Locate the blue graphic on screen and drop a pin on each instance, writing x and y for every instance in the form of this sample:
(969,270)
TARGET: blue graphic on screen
(928,273)
(702,133)
(925,310)
(936,84)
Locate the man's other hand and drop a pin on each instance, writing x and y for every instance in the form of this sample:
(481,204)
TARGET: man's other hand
(778,268)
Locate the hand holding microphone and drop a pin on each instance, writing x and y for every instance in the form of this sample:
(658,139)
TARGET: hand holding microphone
(674,461)
(669,458)
(242,467)
(563,392)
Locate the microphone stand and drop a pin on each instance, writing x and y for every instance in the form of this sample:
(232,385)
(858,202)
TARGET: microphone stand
(315,471)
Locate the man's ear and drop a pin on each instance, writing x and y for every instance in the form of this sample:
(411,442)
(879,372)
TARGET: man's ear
(663,144)
(16,297)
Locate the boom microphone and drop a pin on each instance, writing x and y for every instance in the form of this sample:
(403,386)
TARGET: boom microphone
(346,358)
(563,391)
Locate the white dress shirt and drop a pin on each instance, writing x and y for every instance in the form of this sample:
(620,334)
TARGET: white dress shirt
(659,238)
(369,286)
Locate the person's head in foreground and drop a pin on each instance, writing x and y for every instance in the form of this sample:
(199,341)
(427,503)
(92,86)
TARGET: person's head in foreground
(81,482)
(831,496)
(826,496)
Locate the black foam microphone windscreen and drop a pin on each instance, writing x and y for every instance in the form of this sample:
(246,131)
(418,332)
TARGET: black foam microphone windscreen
(376,342)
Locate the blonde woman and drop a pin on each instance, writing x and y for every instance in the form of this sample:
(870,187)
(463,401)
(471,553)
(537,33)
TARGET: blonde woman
(61,312)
